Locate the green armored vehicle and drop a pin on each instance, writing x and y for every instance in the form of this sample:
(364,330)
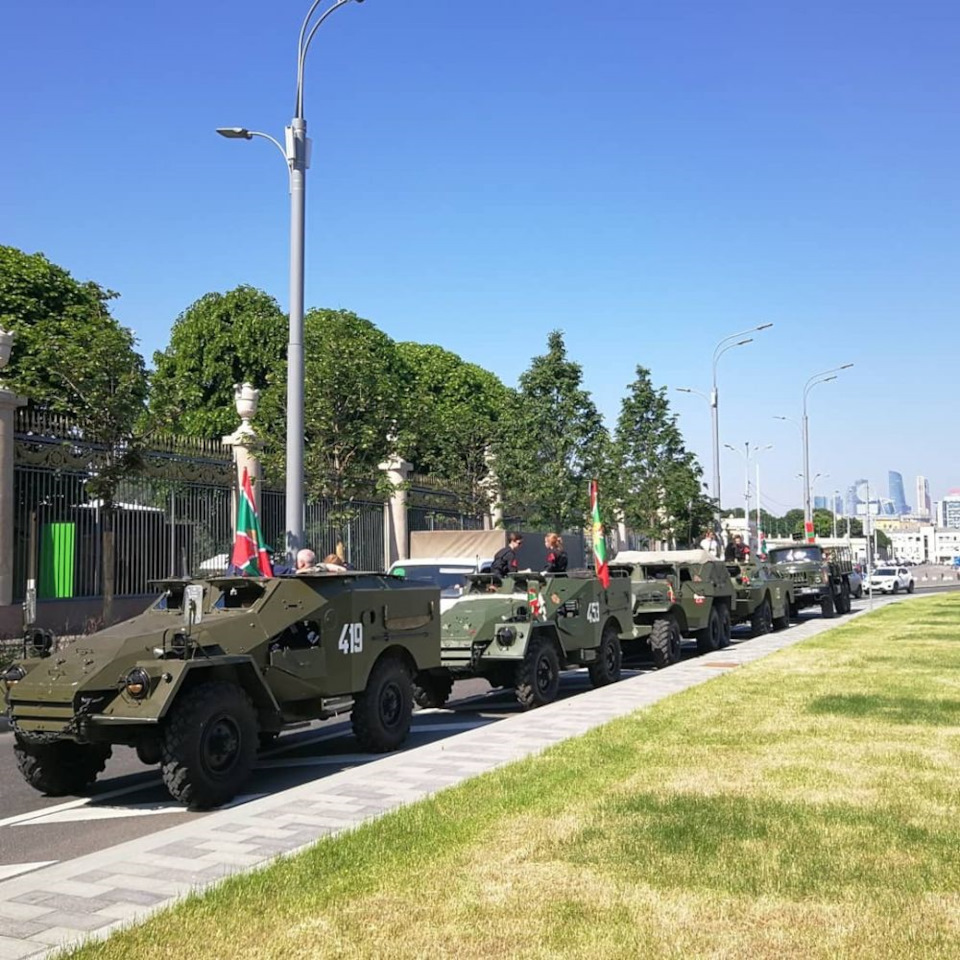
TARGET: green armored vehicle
(821,575)
(216,667)
(677,594)
(762,598)
(521,631)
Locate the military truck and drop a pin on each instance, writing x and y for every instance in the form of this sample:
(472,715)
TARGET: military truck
(521,631)
(677,594)
(215,668)
(820,575)
(762,597)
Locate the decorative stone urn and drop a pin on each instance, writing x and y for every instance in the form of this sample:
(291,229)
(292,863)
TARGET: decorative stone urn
(246,399)
(6,345)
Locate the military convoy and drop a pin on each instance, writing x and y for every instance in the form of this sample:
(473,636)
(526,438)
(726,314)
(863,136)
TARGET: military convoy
(215,668)
(519,632)
(821,575)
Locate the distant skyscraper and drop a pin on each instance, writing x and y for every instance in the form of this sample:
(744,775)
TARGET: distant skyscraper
(850,504)
(895,486)
(950,510)
(821,503)
(923,497)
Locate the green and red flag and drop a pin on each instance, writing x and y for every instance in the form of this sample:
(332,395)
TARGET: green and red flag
(250,555)
(599,543)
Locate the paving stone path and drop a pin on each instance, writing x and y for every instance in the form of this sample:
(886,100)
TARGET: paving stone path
(91,896)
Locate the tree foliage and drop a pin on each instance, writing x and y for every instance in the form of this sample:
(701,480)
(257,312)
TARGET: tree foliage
(661,495)
(452,409)
(352,405)
(551,442)
(220,340)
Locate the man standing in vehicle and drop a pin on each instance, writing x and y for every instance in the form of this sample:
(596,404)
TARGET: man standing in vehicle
(505,562)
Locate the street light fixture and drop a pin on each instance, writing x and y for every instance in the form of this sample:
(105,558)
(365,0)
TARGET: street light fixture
(746,453)
(296,153)
(727,343)
(824,377)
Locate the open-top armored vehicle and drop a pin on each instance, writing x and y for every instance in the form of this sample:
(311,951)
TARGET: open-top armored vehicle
(821,575)
(521,631)
(762,597)
(215,667)
(677,594)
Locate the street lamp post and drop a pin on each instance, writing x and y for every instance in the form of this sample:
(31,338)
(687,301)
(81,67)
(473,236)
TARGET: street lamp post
(296,153)
(824,377)
(745,453)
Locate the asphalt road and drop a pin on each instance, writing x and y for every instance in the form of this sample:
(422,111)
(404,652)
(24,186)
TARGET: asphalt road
(129,801)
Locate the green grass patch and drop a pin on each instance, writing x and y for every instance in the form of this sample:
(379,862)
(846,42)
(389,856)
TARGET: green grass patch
(803,806)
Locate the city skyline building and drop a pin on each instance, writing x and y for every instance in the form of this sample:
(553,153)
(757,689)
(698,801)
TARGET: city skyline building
(923,497)
(896,492)
(949,512)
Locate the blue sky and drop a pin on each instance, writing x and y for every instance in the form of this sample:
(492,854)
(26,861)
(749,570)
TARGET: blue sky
(647,178)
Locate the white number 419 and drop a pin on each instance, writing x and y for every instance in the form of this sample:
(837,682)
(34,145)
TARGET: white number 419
(351,638)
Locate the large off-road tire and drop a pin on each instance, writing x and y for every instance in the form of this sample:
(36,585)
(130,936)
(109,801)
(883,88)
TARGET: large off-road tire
(793,611)
(726,626)
(665,642)
(432,689)
(61,767)
(709,638)
(843,601)
(210,744)
(381,714)
(538,674)
(762,620)
(827,608)
(606,668)
(783,621)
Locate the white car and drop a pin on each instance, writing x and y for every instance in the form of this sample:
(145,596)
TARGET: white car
(448,573)
(891,580)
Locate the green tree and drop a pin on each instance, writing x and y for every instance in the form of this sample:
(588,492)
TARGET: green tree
(450,419)
(353,400)
(661,491)
(220,340)
(71,357)
(551,442)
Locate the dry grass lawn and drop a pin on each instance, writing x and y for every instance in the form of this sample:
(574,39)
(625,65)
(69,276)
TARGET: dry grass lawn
(805,806)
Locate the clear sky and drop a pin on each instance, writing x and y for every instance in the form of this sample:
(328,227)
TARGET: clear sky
(647,178)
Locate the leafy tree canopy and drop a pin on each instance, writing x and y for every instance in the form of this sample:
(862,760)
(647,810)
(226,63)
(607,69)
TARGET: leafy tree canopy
(451,414)
(551,442)
(70,356)
(660,487)
(353,400)
(220,340)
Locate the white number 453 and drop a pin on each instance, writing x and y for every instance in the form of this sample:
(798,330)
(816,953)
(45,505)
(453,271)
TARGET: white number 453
(593,612)
(351,638)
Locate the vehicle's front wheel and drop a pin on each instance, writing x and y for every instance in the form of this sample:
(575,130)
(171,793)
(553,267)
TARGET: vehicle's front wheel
(61,767)
(606,668)
(762,620)
(783,621)
(896,587)
(910,587)
(381,714)
(209,744)
(710,637)
(538,675)
(726,626)
(665,642)
(827,608)
(432,689)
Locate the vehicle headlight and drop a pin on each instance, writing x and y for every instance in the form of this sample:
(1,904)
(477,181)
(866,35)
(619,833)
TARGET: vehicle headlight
(137,683)
(506,636)
(13,675)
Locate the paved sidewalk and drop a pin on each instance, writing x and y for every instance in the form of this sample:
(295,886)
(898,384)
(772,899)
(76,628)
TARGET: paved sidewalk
(92,895)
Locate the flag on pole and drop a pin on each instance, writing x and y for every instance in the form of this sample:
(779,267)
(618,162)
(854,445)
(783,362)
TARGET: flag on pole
(249,552)
(599,544)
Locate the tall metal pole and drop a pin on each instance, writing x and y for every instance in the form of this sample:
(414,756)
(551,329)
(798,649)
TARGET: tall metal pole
(759,521)
(297,151)
(836,494)
(746,490)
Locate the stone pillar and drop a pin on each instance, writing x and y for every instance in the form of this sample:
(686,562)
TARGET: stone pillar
(245,444)
(395,540)
(9,401)
(493,519)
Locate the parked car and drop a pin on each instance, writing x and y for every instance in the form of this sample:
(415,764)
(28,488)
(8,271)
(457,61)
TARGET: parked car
(891,580)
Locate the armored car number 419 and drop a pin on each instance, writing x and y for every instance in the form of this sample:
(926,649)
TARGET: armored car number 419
(216,667)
